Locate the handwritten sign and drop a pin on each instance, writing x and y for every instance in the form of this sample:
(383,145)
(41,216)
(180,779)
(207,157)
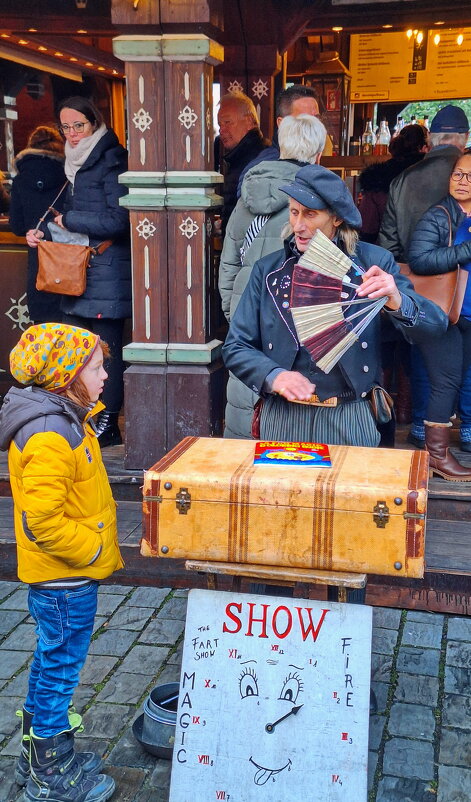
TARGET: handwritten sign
(274,700)
(389,66)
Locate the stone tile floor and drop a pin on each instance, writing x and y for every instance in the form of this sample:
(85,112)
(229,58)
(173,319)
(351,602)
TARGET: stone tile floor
(420,735)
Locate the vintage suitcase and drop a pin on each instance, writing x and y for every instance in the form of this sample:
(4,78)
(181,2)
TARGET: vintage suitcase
(207,500)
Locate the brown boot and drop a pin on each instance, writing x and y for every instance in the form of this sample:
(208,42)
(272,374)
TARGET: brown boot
(442,461)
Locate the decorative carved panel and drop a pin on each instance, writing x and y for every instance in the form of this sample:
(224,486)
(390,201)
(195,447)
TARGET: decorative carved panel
(189,128)
(146,115)
(187,292)
(150,285)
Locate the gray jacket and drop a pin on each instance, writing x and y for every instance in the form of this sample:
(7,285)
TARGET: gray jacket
(260,195)
(411,194)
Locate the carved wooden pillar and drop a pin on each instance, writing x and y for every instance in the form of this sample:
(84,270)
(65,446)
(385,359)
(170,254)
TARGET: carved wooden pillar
(264,62)
(174,386)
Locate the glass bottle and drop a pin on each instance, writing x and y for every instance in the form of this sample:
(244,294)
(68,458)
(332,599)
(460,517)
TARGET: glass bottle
(368,139)
(426,121)
(399,126)
(413,120)
(382,140)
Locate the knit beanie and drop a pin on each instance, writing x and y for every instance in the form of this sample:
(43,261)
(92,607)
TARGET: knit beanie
(51,355)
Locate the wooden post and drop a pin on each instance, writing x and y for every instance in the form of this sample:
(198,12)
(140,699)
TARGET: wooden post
(175,385)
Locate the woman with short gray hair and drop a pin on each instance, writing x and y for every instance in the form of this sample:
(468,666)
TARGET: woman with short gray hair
(254,230)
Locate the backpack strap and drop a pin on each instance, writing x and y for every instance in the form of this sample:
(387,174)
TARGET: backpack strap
(252,232)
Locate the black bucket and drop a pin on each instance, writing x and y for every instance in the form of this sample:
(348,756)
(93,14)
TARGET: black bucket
(160,716)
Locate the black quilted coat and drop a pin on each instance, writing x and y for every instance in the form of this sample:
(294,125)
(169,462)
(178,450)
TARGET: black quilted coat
(40,175)
(92,207)
(429,252)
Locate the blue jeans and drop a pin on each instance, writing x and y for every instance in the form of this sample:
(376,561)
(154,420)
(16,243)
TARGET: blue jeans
(64,626)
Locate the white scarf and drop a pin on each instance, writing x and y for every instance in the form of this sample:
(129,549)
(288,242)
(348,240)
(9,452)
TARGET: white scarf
(75,157)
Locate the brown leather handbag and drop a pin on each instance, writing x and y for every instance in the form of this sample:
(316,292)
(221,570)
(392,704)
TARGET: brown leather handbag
(62,268)
(444,289)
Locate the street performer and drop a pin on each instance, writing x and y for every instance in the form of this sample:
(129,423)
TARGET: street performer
(262,348)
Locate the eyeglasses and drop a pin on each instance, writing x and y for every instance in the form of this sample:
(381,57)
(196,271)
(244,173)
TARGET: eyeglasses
(77,127)
(458,175)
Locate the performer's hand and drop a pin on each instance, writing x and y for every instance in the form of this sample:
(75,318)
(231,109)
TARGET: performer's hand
(293,386)
(33,236)
(378,284)
(58,221)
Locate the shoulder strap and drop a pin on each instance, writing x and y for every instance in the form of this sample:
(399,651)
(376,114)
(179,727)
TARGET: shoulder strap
(253,230)
(449,223)
(97,249)
(51,207)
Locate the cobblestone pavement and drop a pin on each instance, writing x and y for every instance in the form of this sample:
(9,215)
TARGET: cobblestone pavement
(420,736)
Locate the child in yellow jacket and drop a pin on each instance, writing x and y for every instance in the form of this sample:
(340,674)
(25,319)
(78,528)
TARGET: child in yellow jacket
(66,533)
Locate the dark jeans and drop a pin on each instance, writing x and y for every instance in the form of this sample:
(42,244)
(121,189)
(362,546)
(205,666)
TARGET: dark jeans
(420,386)
(447,360)
(64,626)
(111,331)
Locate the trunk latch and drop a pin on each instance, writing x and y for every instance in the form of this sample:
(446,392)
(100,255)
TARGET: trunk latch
(381,514)
(183,500)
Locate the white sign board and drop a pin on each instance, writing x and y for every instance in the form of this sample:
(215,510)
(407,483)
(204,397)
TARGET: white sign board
(274,700)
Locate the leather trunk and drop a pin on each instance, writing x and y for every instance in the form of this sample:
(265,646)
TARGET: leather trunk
(206,500)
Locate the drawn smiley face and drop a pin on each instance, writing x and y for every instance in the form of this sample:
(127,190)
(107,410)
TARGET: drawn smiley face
(273,695)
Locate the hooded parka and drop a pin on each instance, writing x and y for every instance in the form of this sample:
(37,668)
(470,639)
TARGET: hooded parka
(260,195)
(64,512)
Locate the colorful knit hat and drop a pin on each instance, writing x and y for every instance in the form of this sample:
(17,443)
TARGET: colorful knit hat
(51,355)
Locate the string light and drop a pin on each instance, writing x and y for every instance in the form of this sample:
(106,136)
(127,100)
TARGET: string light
(436,39)
(459,39)
(418,35)
(57,53)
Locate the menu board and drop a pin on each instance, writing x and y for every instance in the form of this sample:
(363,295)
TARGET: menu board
(391,67)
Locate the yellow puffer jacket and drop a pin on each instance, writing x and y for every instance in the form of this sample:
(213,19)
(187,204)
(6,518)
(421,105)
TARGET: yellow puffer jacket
(65,514)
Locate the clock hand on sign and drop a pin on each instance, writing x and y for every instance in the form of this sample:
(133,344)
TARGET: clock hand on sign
(292,712)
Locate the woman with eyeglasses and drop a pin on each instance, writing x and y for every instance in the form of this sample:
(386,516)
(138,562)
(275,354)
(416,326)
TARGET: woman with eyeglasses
(448,359)
(93,161)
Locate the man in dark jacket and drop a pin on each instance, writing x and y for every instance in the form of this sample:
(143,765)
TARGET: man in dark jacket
(294,100)
(410,195)
(424,184)
(242,139)
(262,347)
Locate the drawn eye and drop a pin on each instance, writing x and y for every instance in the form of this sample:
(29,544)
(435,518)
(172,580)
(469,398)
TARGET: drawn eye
(291,687)
(248,683)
